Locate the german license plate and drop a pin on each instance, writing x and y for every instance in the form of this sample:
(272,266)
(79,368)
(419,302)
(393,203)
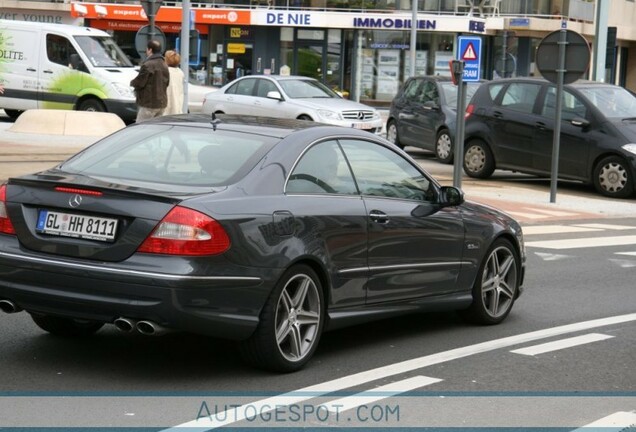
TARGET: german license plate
(362,126)
(77,226)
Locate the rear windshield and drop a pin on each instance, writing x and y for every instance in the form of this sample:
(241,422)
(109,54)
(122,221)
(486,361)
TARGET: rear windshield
(173,155)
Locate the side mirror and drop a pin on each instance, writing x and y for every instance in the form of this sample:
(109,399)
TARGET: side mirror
(450,196)
(274,95)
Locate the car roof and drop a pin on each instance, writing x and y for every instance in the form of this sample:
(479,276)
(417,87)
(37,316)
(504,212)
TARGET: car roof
(541,80)
(268,126)
(281,77)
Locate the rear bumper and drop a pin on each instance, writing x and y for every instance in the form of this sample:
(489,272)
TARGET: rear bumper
(221,306)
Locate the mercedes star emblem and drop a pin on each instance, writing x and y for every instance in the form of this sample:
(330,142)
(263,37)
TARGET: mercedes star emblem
(75,200)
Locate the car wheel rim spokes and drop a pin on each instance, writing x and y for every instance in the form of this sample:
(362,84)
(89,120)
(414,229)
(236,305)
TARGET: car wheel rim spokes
(443,146)
(498,282)
(475,159)
(297,318)
(613,177)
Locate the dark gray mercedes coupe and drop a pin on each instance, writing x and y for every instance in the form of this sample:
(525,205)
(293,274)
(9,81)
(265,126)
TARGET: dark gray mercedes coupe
(262,230)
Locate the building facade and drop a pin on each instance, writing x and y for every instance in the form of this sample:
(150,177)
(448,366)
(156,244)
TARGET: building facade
(361,47)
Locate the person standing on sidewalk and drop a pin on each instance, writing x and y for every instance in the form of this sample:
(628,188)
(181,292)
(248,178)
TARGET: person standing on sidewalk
(175,88)
(151,84)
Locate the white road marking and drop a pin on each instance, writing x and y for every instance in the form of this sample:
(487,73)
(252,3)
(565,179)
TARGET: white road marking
(626,253)
(623,263)
(551,212)
(607,226)
(561,344)
(526,215)
(321,389)
(619,421)
(551,257)
(556,229)
(379,393)
(583,242)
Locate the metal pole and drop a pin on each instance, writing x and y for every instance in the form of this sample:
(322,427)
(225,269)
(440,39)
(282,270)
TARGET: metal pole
(413,37)
(459,131)
(557,122)
(151,33)
(504,49)
(185,50)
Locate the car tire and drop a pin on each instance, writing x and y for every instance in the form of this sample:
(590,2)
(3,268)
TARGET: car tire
(496,286)
(281,342)
(444,147)
(13,114)
(66,327)
(392,134)
(91,104)
(612,178)
(478,160)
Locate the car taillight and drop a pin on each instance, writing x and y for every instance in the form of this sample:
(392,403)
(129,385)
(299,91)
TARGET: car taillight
(186,232)
(469,110)
(6,227)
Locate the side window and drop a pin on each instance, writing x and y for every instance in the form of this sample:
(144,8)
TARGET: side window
(572,106)
(520,97)
(381,172)
(245,87)
(494,90)
(265,86)
(322,169)
(412,91)
(430,93)
(59,50)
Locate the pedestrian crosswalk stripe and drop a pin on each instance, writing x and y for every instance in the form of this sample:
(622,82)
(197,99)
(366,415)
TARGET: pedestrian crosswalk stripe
(551,212)
(619,421)
(583,242)
(607,226)
(527,215)
(626,253)
(556,229)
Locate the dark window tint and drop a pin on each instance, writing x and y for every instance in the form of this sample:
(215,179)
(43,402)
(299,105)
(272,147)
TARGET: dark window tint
(265,86)
(412,90)
(245,87)
(384,173)
(322,169)
(429,93)
(172,155)
(520,97)
(572,106)
(59,50)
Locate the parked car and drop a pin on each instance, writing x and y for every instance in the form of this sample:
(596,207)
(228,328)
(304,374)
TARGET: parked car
(424,114)
(293,97)
(259,229)
(510,125)
(196,95)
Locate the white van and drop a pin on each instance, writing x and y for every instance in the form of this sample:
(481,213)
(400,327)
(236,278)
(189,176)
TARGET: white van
(58,66)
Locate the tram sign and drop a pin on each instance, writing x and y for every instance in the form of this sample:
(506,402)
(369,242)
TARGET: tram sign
(470,53)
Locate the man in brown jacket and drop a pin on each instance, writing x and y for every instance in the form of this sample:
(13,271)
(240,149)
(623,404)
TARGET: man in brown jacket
(151,84)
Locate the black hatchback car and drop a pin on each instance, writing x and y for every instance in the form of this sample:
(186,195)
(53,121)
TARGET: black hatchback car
(423,114)
(510,124)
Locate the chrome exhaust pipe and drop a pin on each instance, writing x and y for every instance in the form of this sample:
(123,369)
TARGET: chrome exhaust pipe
(150,328)
(7,306)
(125,325)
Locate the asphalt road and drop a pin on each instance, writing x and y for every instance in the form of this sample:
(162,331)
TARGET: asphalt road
(115,379)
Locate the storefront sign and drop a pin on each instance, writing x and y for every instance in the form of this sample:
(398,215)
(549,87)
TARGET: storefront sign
(236,48)
(38,16)
(240,33)
(165,14)
(393,23)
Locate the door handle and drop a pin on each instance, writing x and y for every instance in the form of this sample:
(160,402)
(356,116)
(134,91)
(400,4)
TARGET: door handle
(48,71)
(540,125)
(497,114)
(379,217)
(30,69)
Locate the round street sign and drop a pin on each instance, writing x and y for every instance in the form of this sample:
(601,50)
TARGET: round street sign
(577,56)
(143,36)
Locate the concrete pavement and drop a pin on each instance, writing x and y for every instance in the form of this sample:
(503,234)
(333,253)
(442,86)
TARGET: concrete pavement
(523,197)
